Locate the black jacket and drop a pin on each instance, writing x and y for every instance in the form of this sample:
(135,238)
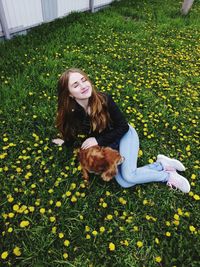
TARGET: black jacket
(109,136)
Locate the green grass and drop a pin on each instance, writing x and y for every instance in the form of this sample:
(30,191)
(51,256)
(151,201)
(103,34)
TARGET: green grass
(147,56)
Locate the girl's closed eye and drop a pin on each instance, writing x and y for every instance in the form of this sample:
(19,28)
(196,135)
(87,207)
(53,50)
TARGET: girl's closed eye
(75,85)
(83,79)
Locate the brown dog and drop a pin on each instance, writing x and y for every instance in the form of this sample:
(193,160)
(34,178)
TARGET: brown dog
(100,160)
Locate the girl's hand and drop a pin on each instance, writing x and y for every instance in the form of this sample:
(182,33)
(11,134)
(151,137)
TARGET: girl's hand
(89,142)
(58,141)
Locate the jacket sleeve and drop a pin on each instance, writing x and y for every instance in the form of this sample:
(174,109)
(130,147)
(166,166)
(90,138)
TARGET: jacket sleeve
(119,125)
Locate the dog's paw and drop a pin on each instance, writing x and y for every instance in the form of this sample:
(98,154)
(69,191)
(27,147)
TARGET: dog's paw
(106,178)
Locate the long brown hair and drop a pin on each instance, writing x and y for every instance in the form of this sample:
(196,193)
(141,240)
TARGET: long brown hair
(66,121)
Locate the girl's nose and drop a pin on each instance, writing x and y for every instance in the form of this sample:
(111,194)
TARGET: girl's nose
(81,85)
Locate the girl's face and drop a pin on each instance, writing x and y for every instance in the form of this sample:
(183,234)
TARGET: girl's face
(79,87)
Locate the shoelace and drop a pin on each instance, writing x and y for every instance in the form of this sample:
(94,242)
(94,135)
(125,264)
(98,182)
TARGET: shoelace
(169,169)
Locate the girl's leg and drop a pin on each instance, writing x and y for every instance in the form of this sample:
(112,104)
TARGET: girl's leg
(120,180)
(129,174)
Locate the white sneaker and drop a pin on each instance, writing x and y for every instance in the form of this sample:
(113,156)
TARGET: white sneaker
(170,164)
(179,182)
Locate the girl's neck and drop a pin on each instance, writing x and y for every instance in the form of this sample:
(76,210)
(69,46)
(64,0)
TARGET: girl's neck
(83,103)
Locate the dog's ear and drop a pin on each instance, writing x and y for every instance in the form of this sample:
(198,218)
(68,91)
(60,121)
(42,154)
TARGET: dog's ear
(100,164)
(110,173)
(110,155)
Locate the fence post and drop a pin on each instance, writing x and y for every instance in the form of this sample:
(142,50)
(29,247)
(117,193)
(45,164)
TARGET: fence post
(186,6)
(91,5)
(4,22)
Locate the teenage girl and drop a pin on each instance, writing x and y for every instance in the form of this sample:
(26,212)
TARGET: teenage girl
(84,111)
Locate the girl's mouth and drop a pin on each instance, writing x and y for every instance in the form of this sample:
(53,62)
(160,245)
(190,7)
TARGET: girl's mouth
(85,91)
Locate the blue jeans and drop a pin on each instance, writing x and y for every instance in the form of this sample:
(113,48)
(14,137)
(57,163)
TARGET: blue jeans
(128,174)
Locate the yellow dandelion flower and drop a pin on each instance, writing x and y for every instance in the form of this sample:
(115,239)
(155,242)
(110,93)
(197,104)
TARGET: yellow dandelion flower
(125,243)
(145,202)
(68,194)
(82,185)
(65,255)
(24,224)
(15,207)
(168,234)
(31,209)
(176,217)
(79,168)
(122,201)
(193,177)
(66,243)
(58,204)
(10,229)
(73,199)
(151,161)
(102,229)
(52,219)
(54,229)
(139,244)
(61,235)
(116,213)
(196,197)
(50,201)
(187,214)
(187,148)
(72,186)
(4,255)
(50,191)
(192,228)
(11,214)
(4,215)
(191,194)
(17,251)
(179,211)
(42,210)
(140,153)
(104,205)
(18,170)
(78,194)
(10,199)
(158,259)
(111,246)
(148,217)
(109,217)
(176,222)
(88,236)
(87,228)
(95,233)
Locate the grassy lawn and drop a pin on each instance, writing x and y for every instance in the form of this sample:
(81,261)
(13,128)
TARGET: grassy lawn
(146,55)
